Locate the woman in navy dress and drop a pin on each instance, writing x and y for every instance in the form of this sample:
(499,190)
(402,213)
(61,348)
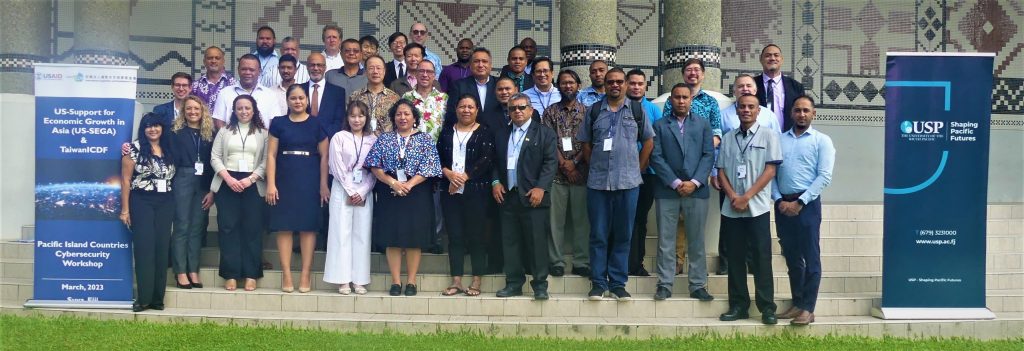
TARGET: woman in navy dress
(296,184)
(403,160)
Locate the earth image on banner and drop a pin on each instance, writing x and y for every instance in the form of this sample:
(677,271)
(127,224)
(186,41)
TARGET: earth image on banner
(78,201)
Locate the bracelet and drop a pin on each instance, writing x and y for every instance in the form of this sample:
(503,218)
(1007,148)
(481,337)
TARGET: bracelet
(495,182)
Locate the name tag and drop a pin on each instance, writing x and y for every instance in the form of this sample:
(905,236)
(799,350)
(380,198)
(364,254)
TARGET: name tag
(161,185)
(199,168)
(566,144)
(510,163)
(741,172)
(357,176)
(244,165)
(608,144)
(401,175)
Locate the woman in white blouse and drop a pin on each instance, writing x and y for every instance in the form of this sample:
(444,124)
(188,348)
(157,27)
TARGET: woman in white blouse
(351,205)
(238,160)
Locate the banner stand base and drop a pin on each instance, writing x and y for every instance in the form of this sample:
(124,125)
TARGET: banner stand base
(931,313)
(112,305)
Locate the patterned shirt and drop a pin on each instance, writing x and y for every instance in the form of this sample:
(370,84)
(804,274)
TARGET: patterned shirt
(208,91)
(420,155)
(588,96)
(704,106)
(432,108)
(565,117)
(379,105)
(148,171)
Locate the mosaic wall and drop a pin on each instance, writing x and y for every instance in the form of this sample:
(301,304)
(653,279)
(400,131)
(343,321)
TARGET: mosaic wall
(836,48)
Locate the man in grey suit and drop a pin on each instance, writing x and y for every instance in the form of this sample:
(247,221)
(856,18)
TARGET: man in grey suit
(682,160)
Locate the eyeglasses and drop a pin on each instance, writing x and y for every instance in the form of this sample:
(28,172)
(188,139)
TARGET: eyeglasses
(615,82)
(518,107)
(419,32)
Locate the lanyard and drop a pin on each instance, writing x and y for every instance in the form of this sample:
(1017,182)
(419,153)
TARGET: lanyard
(196,139)
(243,137)
(402,146)
(359,150)
(516,145)
(743,150)
(614,124)
(462,140)
(540,96)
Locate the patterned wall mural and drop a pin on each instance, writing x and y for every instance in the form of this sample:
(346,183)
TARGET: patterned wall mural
(835,47)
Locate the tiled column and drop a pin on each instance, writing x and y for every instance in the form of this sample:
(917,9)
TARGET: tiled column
(587,34)
(101,32)
(25,40)
(692,28)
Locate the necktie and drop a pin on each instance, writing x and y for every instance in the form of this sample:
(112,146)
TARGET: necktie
(769,96)
(315,106)
(401,70)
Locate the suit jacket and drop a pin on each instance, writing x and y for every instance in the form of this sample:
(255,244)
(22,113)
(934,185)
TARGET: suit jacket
(166,113)
(536,166)
(332,108)
(682,156)
(792,89)
(402,86)
(468,86)
(389,73)
(497,120)
(527,78)
(479,155)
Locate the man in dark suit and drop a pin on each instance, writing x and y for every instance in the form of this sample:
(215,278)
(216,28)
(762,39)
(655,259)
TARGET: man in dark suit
(480,65)
(396,44)
(413,56)
(683,155)
(326,101)
(525,168)
(169,111)
(775,90)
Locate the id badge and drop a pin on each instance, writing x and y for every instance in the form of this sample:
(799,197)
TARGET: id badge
(357,177)
(608,144)
(741,172)
(401,175)
(161,185)
(243,166)
(510,163)
(199,168)
(566,144)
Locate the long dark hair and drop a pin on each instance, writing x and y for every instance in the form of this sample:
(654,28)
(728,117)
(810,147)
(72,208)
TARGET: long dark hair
(257,121)
(356,104)
(145,149)
(394,109)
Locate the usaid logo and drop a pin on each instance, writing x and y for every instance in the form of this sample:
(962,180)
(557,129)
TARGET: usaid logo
(921,127)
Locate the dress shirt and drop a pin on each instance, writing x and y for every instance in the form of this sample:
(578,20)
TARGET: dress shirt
(515,144)
(565,118)
(753,149)
(775,102)
(766,118)
(808,167)
(481,92)
(333,62)
(588,96)
(704,106)
(301,75)
(618,169)
(266,101)
(319,93)
(432,57)
(541,100)
(400,67)
(432,108)
(268,68)
(452,73)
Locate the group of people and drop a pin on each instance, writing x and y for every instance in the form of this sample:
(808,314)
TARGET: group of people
(357,154)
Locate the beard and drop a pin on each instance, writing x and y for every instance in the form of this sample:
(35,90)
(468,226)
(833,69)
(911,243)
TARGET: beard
(264,51)
(568,96)
(463,60)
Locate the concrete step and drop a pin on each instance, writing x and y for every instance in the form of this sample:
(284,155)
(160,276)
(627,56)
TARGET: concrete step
(1005,326)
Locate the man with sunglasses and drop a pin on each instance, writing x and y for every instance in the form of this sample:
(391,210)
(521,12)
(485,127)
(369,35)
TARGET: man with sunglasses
(610,131)
(420,36)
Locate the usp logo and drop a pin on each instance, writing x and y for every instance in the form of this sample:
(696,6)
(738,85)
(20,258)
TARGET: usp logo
(906,127)
(922,130)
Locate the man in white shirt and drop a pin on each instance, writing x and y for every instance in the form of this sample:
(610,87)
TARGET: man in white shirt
(331,35)
(419,36)
(248,84)
(543,93)
(265,41)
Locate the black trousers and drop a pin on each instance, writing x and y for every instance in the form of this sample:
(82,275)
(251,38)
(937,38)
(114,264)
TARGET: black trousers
(151,216)
(241,231)
(743,234)
(638,243)
(465,217)
(494,243)
(526,228)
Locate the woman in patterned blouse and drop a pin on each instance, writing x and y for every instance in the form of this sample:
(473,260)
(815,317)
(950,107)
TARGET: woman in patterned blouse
(402,161)
(147,208)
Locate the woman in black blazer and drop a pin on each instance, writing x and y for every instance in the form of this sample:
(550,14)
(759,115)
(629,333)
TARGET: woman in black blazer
(466,150)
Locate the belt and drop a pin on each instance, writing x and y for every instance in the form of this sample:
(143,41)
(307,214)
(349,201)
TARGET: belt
(297,153)
(792,197)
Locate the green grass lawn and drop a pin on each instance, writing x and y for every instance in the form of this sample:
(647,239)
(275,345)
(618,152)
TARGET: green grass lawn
(70,333)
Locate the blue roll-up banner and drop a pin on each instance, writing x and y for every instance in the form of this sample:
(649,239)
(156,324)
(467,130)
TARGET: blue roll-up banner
(83,253)
(937,113)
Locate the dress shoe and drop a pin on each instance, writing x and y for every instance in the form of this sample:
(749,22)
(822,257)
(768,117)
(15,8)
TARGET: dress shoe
(734,313)
(701,294)
(540,295)
(138,308)
(581,271)
(805,318)
(621,294)
(410,289)
(396,290)
(556,271)
(596,294)
(183,286)
(195,284)
(768,317)
(157,307)
(662,293)
(723,269)
(509,291)
(791,313)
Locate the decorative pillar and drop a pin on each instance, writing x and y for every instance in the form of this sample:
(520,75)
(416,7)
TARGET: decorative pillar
(24,41)
(692,28)
(101,32)
(588,33)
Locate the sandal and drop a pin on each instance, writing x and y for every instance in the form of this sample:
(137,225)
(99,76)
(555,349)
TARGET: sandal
(230,285)
(473,291)
(250,284)
(452,290)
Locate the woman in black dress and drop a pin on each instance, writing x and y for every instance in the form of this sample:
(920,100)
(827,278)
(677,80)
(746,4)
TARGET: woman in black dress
(402,160)
(466,150)
(296,184)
